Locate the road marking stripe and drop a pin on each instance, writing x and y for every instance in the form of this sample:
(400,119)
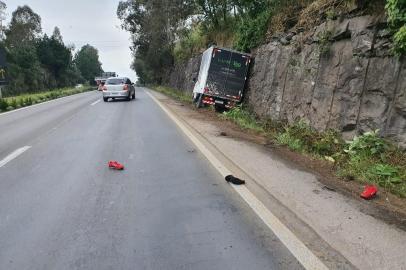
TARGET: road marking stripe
(42,103)
(13,155)
(94,103)
(292,243)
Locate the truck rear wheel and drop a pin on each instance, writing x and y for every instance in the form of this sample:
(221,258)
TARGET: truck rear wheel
(219,108)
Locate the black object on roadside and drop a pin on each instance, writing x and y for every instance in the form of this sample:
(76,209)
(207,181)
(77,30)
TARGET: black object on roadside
(234,180)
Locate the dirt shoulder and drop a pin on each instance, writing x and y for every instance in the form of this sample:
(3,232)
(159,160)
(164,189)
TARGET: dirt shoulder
(385,206)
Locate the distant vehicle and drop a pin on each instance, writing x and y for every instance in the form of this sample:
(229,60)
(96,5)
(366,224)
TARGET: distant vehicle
(102,79)
(222,76)
(118,87)
(100,85)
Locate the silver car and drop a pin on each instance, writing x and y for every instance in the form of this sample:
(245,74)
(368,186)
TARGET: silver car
(118,87)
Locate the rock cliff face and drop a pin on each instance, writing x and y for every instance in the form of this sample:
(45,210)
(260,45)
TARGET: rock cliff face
(340,75)
(182,75)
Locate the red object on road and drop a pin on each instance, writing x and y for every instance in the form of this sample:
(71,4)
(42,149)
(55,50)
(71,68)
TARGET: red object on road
(369,192)
(116,165)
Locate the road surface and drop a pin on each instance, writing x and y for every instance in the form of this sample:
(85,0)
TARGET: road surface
(62,208)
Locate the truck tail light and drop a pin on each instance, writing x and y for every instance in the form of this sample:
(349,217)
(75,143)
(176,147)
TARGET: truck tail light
(104,88)
(208,100)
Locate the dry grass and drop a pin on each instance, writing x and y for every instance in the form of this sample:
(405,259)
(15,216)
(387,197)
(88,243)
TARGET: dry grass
(286,16)
(308,13)
(223,38)
(315,13)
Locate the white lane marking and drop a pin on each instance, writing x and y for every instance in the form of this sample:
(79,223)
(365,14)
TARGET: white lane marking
(42,103)
(304,255)
(94,103)
(13,155)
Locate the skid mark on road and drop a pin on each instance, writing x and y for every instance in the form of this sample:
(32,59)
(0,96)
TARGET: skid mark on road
(299,250)
(13,155)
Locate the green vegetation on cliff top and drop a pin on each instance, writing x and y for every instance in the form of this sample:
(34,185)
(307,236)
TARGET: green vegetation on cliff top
(165,32)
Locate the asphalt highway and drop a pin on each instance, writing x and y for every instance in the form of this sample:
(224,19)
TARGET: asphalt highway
(61,207)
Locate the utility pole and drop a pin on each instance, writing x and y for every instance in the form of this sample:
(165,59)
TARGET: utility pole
(3,7)
(3,64)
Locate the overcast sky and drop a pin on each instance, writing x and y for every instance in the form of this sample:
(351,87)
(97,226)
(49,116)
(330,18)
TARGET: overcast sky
(85,21)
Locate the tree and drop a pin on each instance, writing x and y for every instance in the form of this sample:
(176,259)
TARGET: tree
(25,71)
(3,8)
(153,25)
(87,61)
(25,26)
(55,57)
(56,35)
(37,62)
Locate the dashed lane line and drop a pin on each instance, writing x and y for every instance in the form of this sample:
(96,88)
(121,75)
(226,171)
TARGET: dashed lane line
(13,155)
(94,103)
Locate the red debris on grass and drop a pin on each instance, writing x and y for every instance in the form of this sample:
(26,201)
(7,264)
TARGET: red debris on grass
(115,165)
(369,192)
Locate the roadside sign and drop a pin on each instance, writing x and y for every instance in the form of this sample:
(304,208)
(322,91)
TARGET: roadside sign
(3,67)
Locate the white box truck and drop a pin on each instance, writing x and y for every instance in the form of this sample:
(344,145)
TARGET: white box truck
(222,77)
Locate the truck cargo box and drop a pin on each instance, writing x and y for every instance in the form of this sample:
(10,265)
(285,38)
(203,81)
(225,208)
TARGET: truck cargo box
(222,77)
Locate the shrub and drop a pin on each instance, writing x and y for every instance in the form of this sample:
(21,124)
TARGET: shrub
(290,141)
(324,42)
(3,105)
(13,103)
(384,174)
(328,143)
(367,145)
(396,10)
(251,31)
(243,118)
(191,42)
(400,41)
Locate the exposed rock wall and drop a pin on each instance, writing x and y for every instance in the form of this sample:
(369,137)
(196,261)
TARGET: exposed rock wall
(182,75)
(340,75)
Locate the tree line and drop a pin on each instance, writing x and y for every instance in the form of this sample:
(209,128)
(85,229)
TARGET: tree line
(37,62)
(165,31)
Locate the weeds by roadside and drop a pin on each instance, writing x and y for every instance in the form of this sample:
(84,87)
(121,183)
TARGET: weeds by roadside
(16,102)
(366,159)
(243,118)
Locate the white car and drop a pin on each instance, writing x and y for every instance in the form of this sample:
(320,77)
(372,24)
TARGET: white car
(118,87)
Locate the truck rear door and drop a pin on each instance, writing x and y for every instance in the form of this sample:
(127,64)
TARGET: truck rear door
(227,74)
(216,79)
(237,75)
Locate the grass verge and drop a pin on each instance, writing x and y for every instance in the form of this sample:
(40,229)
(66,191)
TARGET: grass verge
(367,158)
(16,102)
(176,94)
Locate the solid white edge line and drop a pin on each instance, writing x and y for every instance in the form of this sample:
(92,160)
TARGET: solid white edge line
(13,155)
(94,103)
(42,103)
(298,249)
